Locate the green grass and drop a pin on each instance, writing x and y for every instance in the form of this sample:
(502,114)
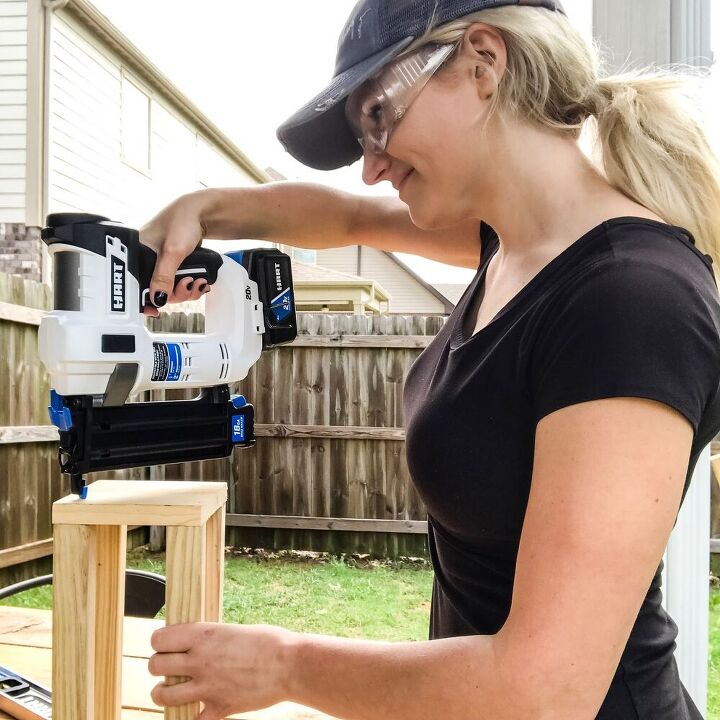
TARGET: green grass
(713,712)
(332,596)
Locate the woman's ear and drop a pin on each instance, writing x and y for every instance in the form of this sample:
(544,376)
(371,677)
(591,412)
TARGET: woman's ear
(485,48)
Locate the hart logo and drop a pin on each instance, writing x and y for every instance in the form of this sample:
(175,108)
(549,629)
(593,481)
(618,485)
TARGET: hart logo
(117,284)
(278,278)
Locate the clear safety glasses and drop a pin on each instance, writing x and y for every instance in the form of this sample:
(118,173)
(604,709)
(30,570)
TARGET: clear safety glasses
(378,105)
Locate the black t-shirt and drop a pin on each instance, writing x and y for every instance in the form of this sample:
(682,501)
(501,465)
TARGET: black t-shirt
(629,309)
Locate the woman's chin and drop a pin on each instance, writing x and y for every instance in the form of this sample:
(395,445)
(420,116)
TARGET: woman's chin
(423,219)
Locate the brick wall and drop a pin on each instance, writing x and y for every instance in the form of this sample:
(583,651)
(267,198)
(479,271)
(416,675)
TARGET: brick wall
(21,251)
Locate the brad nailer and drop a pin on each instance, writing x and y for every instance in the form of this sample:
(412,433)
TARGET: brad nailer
(100,355)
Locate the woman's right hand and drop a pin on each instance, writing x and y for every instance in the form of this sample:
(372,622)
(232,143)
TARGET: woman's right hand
(173,234)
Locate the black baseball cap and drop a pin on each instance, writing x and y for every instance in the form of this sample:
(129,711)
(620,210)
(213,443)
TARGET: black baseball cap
(377,31)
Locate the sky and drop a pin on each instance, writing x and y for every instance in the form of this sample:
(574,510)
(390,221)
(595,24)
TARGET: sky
(249,65)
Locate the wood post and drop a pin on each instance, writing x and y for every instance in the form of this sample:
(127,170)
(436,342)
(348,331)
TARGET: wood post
(89,582)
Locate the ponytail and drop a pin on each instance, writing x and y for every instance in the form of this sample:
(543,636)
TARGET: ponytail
(652,146)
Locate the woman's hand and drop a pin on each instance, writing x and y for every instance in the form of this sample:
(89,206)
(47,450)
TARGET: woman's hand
(232,668)
(173,234)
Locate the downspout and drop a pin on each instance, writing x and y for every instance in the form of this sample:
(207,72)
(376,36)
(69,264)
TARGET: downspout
(35,128)
(41,13)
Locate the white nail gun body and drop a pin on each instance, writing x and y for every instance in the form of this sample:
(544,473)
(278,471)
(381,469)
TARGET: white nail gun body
(104,326)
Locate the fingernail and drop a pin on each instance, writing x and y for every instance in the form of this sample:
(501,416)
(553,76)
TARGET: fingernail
(190,285)
(202,287)
(160,299)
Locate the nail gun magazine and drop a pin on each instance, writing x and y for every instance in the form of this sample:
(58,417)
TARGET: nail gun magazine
(100,356)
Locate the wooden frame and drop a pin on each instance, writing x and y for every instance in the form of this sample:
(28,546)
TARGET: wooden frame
(89,583)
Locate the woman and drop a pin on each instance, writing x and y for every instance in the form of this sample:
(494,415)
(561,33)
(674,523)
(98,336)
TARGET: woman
(554,423)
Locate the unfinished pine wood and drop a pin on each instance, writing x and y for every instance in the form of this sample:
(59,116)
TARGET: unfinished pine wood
(185,593)
(110,552)
(147,502)
(73,666)
(88,607)
(214,565)
(89,578)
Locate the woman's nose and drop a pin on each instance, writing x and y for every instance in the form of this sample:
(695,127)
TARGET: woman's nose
(374,167)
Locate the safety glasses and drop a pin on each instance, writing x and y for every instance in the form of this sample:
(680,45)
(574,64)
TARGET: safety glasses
(377,106)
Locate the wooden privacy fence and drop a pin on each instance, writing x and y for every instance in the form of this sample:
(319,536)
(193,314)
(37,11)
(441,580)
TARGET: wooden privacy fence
(328,471)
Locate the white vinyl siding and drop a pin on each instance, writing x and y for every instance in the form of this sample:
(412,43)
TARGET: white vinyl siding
(13,109)
(84,126)
(407,295)
(135,124)
(87,170)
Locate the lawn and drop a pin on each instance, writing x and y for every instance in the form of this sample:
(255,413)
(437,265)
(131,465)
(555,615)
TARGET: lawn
(311,593)
(714,657)
(344,597)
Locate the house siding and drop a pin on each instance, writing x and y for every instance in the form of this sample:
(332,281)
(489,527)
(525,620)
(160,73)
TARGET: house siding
(407,295)
(13,115)
(87,172)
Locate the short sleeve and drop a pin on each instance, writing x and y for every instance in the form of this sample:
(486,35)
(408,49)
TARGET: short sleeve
(628,329)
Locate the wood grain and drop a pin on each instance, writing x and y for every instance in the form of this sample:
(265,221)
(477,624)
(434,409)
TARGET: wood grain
(185,593)
(73,666)
(147,502)
(214,565)
(110,551)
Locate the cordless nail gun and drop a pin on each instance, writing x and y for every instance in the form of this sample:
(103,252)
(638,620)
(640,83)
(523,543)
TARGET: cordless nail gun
(99,353)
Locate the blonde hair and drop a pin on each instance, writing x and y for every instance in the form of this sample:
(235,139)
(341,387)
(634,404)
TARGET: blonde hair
(652,147)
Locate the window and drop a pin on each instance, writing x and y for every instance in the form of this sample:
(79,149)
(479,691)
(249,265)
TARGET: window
(135,125)
(306,256)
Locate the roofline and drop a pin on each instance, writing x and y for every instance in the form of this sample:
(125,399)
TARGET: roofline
(361,284)
(447,304)
(99,25)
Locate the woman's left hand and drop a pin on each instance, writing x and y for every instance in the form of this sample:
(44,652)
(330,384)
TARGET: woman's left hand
(231,668)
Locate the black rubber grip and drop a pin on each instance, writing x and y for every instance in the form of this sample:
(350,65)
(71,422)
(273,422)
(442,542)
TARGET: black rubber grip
(203,262)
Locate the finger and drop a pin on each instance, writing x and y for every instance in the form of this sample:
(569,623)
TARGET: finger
(172,695)
(163,279)
(173,638)
(198,289)
(183,290)
(170,664)
(151,311)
